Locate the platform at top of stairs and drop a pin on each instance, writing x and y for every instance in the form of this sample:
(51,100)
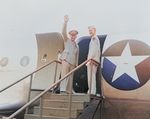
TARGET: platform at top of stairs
(75,97)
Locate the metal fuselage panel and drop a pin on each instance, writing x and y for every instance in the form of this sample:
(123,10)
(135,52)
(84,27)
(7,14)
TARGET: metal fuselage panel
(123,109)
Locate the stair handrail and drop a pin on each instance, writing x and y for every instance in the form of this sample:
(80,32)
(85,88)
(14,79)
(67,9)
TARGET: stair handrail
(40,96)
(29,75)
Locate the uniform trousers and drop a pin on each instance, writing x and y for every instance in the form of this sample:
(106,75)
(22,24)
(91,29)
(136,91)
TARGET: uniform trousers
(93,68)
(66,68)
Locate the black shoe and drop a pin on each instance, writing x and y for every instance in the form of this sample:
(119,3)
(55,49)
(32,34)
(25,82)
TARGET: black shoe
(63,92)
(93,95)
(57,91)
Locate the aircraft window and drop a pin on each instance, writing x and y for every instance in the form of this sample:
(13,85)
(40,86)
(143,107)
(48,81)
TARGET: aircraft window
(25,61)
(4,62)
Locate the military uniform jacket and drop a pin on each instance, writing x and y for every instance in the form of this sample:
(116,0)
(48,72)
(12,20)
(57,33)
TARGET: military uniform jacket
(71,51)
(94,49)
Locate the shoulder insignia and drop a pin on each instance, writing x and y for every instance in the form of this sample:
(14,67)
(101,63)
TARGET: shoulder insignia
(93,38)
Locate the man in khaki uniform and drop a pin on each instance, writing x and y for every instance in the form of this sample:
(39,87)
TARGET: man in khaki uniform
(69,56)
(94,53)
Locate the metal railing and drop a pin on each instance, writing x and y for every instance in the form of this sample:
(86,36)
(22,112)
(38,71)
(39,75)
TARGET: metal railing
(31,77)
(40,96)
(31,74)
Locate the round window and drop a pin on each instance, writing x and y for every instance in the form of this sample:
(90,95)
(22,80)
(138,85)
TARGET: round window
(25,61)
(4,62)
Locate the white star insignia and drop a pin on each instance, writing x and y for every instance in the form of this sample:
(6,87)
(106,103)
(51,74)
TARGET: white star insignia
(126,64)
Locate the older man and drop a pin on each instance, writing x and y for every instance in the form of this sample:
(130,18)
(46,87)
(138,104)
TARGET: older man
(69,56)
(94,53)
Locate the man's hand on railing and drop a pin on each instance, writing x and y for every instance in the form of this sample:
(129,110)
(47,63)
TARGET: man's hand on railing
(93,62)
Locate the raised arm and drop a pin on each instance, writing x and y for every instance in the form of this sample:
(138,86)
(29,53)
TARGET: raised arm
(64,29)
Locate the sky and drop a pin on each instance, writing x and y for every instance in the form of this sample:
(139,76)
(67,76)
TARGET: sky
(37,16)
(20,20)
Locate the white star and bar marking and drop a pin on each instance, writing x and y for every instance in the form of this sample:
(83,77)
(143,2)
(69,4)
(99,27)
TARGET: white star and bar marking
(126,64)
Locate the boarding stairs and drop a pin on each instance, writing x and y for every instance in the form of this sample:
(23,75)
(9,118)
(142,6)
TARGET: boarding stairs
(52,105)
(55,106)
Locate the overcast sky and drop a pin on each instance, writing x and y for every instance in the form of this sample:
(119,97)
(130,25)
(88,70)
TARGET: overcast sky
(47,15)
(20,20)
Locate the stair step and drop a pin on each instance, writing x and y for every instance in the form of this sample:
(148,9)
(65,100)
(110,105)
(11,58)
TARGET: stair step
(58,112)
(55,106)
(75,97)
(64,104)
(32,116)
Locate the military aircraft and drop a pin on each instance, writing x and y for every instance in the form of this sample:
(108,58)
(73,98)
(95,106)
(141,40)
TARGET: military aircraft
(123,28)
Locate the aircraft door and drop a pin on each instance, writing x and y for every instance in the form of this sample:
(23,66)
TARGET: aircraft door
(49,45)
